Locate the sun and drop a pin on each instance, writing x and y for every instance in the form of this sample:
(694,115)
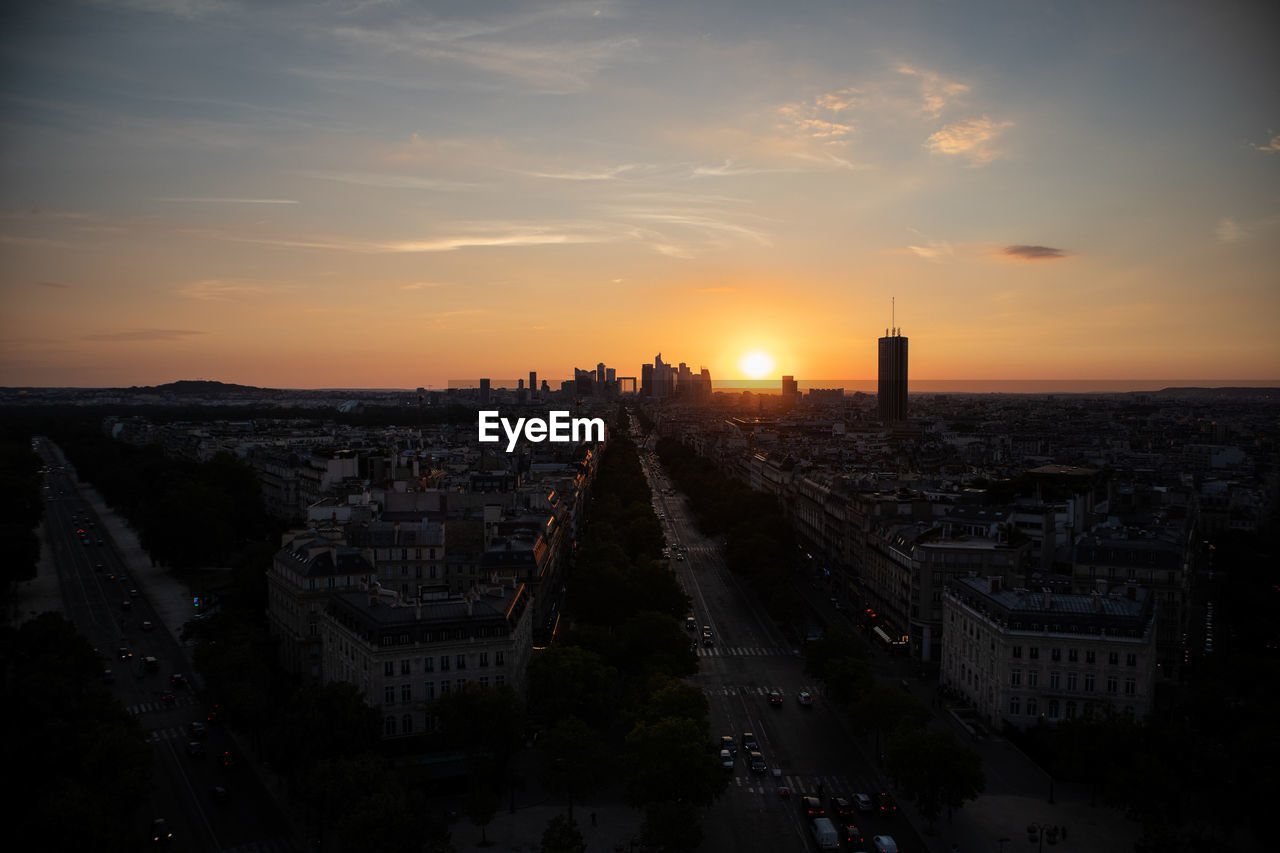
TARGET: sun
(756,364)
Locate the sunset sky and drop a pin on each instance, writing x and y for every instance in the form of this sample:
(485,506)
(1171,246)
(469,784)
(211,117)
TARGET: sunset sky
(394,194)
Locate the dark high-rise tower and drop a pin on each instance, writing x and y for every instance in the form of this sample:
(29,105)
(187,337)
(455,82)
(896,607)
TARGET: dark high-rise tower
(892,390)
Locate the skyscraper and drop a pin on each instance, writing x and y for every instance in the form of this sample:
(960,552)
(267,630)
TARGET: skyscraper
(892,390)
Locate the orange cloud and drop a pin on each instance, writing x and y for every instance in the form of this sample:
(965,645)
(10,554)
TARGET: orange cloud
(970,138)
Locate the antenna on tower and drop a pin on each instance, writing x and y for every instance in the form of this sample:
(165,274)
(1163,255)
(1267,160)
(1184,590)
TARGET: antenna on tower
(893,313)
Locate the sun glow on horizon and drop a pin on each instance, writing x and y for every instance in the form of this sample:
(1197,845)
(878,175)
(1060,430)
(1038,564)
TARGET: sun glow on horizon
(756,364)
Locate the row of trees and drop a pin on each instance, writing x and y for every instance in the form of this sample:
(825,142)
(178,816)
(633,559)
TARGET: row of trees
(611,693)
(21,508)
(759,544)
(928,765)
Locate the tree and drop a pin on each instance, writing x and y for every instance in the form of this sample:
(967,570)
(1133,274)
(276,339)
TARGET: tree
(562,835)
(574,759)
(323,722)
(672,761)
(566,680)
(482,801)
(654,643)
(671,697)
(882,709)
(934,769)
(482,720)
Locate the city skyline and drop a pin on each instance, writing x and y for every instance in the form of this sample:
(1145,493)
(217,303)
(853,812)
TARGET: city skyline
(387,195)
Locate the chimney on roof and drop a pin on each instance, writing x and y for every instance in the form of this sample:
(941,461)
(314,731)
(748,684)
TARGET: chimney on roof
(1131,591)
(1100,586)
(1097,602)
(993,584)
(1048,597)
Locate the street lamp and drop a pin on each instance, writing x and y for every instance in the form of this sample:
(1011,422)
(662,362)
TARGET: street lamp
(1041,831)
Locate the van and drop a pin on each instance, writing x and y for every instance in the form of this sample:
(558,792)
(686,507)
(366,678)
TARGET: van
(824,833)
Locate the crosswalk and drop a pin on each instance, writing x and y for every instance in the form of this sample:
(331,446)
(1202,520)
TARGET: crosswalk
(740,651)
(168,733)
(799,786)
(788,693)
(157,705)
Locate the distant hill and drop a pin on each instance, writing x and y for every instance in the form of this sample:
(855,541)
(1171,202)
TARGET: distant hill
(1232,391)
(204,388)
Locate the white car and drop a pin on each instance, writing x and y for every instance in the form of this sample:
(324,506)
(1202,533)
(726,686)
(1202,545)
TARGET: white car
(884,844)
(726,759)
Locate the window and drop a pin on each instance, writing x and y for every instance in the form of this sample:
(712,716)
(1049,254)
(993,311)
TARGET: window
(499,680)
(1032,707)
(484,658)
(389,668)
(484,681)
(428,664)
(444,688)
(1090,657)
(1131,659)
(389,695)
(389,726)
(1017,651)
(429,690)
(1071,710)
(1113,658)
(406,724)
(406,692)
(1053,709)
(1073,655)
(1054,678)
(444,663)
(462,661)
(1071,681)
(462,682)
(1130,686)
(1015,678)
(1055,654)
(1088,682)
(1033,678)
(1112,684)
(1015,705)
(1034,652)
(404,667)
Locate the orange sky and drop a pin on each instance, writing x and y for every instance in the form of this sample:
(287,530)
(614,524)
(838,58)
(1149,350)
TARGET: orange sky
(300,198)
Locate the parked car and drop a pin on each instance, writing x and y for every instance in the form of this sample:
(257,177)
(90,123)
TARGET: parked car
(804,697)
(727,742)
(757,763)
(197,729)
(749,741)
(863,803)
(160,833)
(885,804)
(841,809)
(726,759)
(884,844)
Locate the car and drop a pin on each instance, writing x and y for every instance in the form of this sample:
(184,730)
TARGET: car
(690,624)
(160,833)
(749,741)
(133,592)
(852,837)
(178,680)
(884,844)
(124,652)
(197,729)
(863,803)
(99,541)
(727,742)
(804,697)
(108,677)
(228,760)
(679,558)
(167,698)
(726,759)
(195,749)
(111,576)
(775,698)
(97,567)
(811,807)
(757,763)
(708,640)
(841,808)
(220,793)
(126,604)
(147,625)
(151,663)
(213,715)
(885,804)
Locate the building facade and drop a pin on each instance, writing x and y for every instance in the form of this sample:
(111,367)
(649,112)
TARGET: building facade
(892,387)
(1019,657)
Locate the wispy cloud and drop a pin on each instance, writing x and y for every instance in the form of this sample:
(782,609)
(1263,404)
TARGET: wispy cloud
(422,285)
(56,284)
(1271,147)
(936,251)
(608,174)
(970,138)
(1033,253)
(936,91)
(1232,230)
(144,335)
(715,290)
(214,290)
(515,236)
(393,181)
(220,200)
